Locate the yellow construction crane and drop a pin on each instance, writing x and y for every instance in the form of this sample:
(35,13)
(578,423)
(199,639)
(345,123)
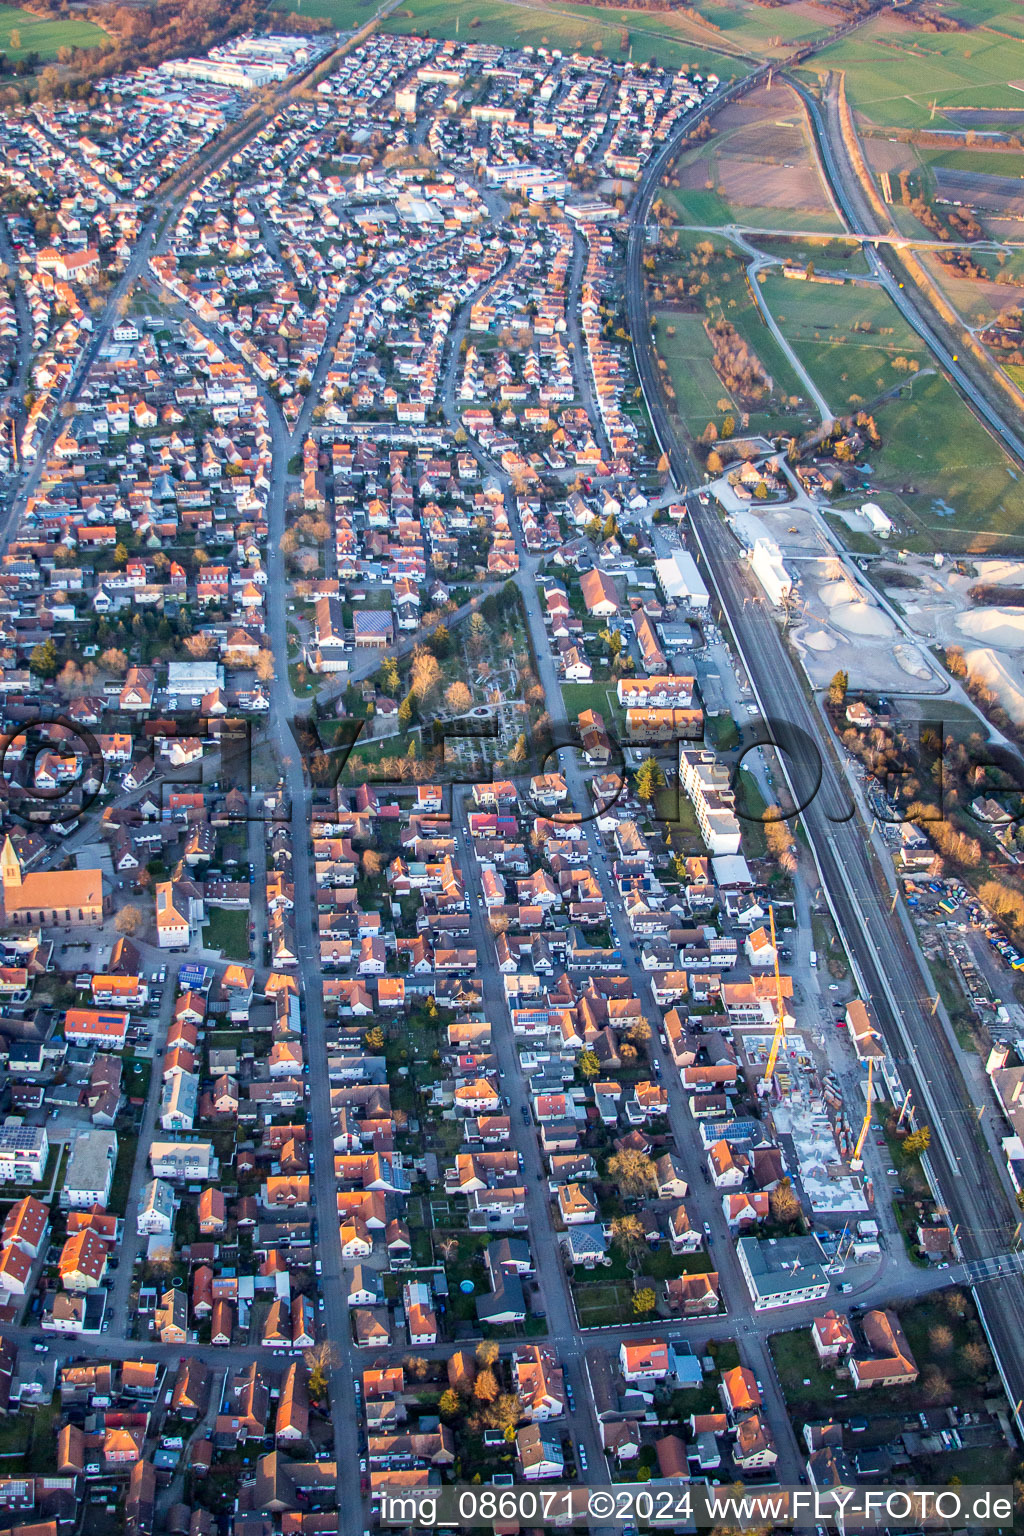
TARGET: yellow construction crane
(856,1161)
(780,1014)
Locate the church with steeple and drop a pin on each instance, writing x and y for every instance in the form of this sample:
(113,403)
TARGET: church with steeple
(46,898)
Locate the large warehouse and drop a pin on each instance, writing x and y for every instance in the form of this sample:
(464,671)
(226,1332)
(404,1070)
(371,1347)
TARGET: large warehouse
(681,581)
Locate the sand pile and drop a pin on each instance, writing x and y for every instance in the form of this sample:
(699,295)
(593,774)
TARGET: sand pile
(849,611)
(1003,627)
(1009,572)
(911,660)
(992,669)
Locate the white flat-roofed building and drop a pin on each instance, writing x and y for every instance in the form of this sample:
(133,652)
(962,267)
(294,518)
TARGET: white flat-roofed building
(183,1160)
(782,1271)
(90,1171)
(706,783)
(23,1152)
(179,1101)
(191,677)
(766,564)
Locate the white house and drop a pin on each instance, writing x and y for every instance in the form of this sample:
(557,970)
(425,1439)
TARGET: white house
(156,1208)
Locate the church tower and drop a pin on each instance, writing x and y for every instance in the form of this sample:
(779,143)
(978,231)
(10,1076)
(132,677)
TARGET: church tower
(10,869)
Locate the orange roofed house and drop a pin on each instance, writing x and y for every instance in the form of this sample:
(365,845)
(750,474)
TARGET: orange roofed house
(886,1361)
(644,1360)
(72,897)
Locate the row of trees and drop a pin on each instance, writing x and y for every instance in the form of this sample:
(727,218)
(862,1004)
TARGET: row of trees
(736,363)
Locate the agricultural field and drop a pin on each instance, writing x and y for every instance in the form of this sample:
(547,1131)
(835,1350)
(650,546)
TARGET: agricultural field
(955,70)
(747,27)
(976,162)
(36,34)
(979,300)
(759,169)
(346,15)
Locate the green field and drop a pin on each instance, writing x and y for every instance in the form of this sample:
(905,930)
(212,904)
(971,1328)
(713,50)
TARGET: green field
(979,162)
(849,366)
(704,206)
(652,35)
(37,35)
(760,34)
(228,931)
(708,205)
(932,441)
(728,31)
(951,473)
(894,73)
(688,355)
(598,696)
(838,256)
(604,1305)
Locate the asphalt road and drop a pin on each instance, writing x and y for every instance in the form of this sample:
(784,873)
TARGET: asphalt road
(888,965)
(333,1322)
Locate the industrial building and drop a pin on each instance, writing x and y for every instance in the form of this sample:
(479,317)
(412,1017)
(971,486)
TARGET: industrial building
(681,582)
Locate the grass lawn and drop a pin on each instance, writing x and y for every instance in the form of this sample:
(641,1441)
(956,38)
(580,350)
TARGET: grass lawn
(802,1380)
(599,696)
(817,220)
(37,35)
(750,807)
(662,1264)
(723,732)
(698,205)
(683,343)
(137,1073)
(121,1181)
(42,1455)
(673,809)
(962,481)
(604,1305)
(847,337)
(15,1431)
(228,932)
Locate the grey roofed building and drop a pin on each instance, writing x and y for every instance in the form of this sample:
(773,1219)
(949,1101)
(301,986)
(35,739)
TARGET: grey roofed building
(506,1303)
(90,1170)
(782,1271)
(509,1253)
(585,1243)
